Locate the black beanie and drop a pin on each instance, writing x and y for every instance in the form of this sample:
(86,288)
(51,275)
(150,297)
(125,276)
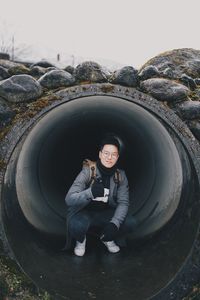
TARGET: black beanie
(110,140)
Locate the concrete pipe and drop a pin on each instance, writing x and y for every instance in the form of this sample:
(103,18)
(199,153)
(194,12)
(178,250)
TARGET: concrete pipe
(161,159)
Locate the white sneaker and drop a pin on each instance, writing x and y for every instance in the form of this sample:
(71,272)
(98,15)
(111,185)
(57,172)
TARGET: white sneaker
(112,247)
(79,249)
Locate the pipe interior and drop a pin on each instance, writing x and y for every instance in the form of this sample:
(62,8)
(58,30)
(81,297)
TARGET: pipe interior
(53,152)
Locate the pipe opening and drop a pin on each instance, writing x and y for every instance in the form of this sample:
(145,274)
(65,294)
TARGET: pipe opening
(53,152)
(162,195)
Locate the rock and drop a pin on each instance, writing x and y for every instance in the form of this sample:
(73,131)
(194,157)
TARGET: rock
(56,78)
(127,76)
(195,128)
(197,81)
(192,68)
(188,110)
(90,71)
(197,91)
(188,81)
(37,71)
(69,69)
(148,72)
(168,73)
(165,89)
(9,64)
(19,69)
(20,88)
(3,73)
(4,55)
(51,69)
(185,60)
(43,63)
(6,114)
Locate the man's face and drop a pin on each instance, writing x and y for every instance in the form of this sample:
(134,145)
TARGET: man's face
(109,156)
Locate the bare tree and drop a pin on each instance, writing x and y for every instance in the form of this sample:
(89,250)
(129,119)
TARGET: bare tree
(9,43)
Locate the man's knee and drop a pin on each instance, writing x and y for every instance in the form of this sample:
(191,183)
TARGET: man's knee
(129,224)
(79,222)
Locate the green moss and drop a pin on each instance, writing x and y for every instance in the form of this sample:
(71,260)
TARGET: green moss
(34,107)
(107,88)
(14,283)
(2,164)
(85,82)
(4,131)
(17,70)
(193,96)
(26,111)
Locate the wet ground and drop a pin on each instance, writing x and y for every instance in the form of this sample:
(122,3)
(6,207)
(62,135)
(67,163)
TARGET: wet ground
(138,271)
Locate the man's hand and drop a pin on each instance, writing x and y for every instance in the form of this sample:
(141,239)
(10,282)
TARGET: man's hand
(110,232)
(97,188)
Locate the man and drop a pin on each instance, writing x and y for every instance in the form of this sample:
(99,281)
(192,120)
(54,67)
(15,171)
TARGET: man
(103,204)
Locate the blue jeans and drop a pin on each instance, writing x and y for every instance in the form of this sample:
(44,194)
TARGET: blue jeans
(80,223)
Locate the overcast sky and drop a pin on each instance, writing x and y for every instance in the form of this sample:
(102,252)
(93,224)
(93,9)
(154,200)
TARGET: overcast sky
(128,32)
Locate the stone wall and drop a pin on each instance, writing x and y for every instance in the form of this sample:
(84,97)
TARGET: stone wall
(172,77)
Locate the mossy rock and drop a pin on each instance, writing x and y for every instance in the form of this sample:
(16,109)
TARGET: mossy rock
(185,60)
(19,69)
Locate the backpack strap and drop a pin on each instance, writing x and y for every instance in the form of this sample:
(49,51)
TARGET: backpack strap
(92,166)
(117,179)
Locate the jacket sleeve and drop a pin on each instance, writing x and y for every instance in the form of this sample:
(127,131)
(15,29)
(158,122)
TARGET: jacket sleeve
(78,193)
(122,201)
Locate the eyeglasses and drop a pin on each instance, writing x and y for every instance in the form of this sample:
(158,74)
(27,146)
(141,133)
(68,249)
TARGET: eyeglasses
(108,154)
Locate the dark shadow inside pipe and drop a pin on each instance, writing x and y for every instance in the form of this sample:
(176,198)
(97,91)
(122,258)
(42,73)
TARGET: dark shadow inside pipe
(53,152)
(162,195)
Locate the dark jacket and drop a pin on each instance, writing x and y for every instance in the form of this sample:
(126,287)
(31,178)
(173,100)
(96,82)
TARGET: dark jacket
(79,196)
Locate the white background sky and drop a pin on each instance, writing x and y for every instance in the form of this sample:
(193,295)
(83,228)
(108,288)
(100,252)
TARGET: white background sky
(128,32)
